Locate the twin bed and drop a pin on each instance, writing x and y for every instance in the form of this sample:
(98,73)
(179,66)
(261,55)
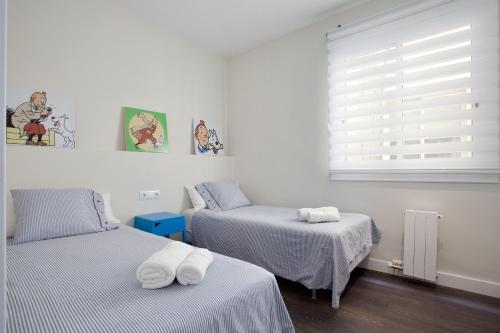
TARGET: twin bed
(86,283)
(319,255)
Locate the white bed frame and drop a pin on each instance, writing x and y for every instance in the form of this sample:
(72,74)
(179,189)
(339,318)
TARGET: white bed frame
(352,265)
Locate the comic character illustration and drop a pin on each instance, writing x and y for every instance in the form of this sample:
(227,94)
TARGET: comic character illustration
(207,139)
(8,121)
(214,144)
(160,141)
(29,117)
(59,123)
(146,131)
(202,135)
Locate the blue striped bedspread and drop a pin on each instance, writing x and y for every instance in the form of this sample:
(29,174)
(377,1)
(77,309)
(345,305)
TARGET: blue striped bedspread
(87,283)
(316,255)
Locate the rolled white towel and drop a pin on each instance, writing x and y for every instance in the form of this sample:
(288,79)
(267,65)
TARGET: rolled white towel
(323,214)
(159,270)
(193,269)
(302,214)
(326,209)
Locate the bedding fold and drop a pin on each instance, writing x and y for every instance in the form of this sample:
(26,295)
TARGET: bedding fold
(159,270)
(192,270)
(86,284)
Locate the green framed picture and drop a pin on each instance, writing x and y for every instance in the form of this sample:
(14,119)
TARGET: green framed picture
(145,131)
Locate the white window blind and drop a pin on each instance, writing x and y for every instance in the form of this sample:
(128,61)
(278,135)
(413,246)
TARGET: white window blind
(418,92)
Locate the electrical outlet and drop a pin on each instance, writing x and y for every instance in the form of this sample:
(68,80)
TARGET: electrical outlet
(149,195)
(397,262)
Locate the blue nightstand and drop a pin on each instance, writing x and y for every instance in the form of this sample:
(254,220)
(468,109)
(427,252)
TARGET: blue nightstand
(161,224)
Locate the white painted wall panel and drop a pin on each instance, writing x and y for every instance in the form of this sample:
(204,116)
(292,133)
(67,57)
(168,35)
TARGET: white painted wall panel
(3,23)
(409,243)
(419,253)
(431,235)
(420,244)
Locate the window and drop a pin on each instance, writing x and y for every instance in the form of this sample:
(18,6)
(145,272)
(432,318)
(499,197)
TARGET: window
(415,92)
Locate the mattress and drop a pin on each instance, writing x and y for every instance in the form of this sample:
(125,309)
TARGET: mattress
(87,283)
(316,255)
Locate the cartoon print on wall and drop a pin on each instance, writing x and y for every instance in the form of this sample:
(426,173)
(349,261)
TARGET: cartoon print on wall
(145,131)
(31,120)
(207,138)
(60,127)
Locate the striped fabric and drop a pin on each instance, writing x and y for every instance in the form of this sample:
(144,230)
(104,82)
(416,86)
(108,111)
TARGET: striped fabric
(208,197)
(51,213)
(87,283)
(223,195)
(316,255)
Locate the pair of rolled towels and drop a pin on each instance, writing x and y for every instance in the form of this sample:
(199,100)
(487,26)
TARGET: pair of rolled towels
(321,214)
(176,260)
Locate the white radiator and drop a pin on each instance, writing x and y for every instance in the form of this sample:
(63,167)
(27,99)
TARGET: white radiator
(420,244)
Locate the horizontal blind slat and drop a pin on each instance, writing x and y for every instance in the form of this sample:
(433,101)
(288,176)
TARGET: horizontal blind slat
(426,119)
(393,64)
(477,146)
(480,128)
(486,95)
(480,161)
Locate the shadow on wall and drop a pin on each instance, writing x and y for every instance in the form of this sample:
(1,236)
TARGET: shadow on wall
(120,138)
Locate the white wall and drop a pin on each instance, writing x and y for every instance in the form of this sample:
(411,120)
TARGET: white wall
(3,23)
(105,58)
(279,139)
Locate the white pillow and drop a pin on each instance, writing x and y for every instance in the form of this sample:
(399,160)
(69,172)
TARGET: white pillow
(108,211)
(196,198)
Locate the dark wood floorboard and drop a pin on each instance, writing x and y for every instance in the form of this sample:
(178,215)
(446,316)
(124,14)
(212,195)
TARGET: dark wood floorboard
(377,302)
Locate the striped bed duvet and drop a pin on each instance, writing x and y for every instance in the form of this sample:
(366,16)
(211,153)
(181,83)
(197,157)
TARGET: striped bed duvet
(316,255)
(87,283)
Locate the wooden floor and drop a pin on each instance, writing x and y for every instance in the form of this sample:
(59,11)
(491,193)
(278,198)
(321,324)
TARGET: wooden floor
(377,302)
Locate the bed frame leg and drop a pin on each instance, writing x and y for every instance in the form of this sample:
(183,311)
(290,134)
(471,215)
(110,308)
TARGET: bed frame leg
(313,294)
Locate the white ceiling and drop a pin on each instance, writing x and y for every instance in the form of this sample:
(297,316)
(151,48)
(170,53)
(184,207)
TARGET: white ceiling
(230,27)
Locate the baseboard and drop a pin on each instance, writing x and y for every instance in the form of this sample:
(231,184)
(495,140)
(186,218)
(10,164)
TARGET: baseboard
(466,283)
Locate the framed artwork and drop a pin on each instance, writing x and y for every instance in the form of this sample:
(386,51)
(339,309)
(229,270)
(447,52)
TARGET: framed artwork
(207,138)
(39,118)
(145,131)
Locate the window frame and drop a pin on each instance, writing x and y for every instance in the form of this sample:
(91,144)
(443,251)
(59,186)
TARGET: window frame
(482,176)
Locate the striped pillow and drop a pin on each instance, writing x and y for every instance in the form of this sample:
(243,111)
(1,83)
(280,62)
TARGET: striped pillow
(224,195)
(51,213)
